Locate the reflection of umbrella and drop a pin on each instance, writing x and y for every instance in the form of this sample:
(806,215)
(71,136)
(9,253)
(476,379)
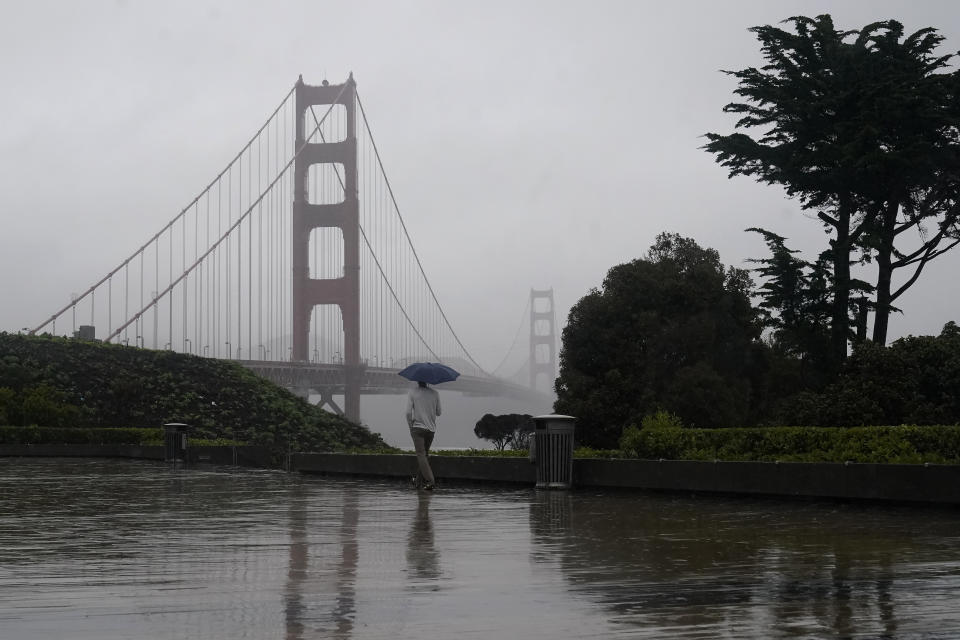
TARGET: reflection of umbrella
(429,372)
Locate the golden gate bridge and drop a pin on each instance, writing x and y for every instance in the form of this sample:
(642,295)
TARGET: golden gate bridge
(296,262)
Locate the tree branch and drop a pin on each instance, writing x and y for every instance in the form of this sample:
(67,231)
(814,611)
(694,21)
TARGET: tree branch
(921,263)
(831,221)
(935,254)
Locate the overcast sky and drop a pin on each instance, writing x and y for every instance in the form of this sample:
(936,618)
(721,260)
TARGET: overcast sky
(530,144)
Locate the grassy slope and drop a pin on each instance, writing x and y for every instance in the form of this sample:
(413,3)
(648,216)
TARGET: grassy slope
(117,386)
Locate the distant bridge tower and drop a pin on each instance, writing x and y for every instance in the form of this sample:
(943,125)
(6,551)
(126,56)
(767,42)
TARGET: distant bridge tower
(543,337)
(343,291)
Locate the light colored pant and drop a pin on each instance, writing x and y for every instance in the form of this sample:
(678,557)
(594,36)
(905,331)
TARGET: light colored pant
(422,439)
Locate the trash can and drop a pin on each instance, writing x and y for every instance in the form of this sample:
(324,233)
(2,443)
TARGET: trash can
(175,441)
(553,448)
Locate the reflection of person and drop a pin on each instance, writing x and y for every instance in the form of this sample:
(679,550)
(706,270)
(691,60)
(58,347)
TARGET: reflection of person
(422,555)
(423,407)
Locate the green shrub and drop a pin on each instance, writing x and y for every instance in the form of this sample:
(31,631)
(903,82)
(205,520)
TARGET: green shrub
(590,453)
(44,405)
(9,406)
(661,420)
(214,442)
(483,453)
(579,452)
(72,435)
(893,445)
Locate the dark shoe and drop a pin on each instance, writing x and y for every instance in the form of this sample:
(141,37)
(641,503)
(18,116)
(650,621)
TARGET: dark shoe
(427,486)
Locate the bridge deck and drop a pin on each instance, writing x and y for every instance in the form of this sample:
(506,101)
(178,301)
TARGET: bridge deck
(329,378)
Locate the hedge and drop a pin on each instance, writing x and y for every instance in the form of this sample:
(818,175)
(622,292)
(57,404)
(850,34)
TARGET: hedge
(79,435)
(905,444)
(95,435)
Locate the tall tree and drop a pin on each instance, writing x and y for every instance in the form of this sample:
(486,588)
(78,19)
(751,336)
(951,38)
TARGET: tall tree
(794,297)
(806,101)
(796,309)
(911,124)
(861,128)
(674,330)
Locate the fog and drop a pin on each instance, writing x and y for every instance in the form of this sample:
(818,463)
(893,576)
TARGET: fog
(385,415)
(529,144)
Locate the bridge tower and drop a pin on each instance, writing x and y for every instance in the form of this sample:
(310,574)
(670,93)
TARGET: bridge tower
(543,336)
(343,291)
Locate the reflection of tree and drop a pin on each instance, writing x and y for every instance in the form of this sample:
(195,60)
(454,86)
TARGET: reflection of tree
(835,579)
(422,555)
(639,561)
(725,564)
(885,598)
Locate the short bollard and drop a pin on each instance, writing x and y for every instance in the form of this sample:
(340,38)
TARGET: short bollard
(175,442)
(553,450)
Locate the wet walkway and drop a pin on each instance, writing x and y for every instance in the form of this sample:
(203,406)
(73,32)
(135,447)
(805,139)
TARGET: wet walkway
(117,549)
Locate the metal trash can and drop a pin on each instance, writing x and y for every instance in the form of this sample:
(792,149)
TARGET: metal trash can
(553,447)
(175,441)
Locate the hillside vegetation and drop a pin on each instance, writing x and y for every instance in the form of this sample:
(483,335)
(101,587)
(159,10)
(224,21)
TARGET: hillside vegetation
(61,382)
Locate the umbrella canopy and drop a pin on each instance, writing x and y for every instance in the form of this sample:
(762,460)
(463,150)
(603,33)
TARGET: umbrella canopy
(430,372)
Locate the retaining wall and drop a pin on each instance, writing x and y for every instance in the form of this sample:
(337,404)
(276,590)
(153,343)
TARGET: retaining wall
(482,469)
(893,482)
(938,484)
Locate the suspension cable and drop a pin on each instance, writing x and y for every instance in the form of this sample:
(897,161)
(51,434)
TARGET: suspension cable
(226,233)
(172,222)
(523,319)
(403,225)
(374,255)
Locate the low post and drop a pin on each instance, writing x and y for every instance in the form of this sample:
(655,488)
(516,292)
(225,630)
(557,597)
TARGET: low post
(175,442)
(553,446)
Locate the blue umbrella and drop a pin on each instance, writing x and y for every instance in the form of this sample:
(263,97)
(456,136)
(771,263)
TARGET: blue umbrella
(430,372)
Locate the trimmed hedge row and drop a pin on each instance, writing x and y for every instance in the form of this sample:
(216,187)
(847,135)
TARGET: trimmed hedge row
(141,436)
(890,445)
(79,435)
(581,452)
(444,453)
(481,453)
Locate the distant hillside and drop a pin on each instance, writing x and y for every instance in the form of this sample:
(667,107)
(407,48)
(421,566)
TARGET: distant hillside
(52,381)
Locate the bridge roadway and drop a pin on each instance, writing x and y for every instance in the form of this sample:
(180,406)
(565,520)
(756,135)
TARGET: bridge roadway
(327,380)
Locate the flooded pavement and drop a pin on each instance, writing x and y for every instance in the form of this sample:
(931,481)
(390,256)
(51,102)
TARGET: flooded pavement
(112,549)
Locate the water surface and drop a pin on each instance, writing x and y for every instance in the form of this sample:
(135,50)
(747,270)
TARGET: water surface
(111,549)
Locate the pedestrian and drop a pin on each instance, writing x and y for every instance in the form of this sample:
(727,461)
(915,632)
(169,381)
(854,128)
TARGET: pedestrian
(423,407)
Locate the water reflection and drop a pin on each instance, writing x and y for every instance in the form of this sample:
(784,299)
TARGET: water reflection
(346,608)
(103,550)
(293,600)
(423,559)
(718,566)
(306,582)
